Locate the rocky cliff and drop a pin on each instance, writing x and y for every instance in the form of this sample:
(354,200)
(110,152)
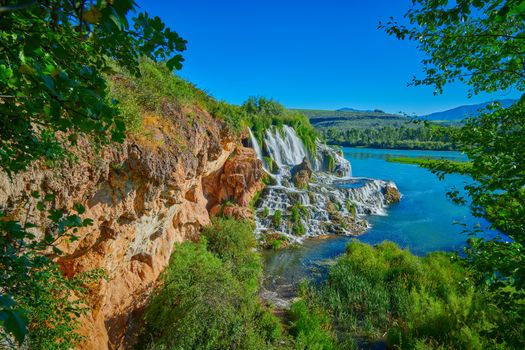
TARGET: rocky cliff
(156,189)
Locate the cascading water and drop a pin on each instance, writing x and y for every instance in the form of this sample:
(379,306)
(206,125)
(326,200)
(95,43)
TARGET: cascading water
(333,201)
(285,147)
(255,145)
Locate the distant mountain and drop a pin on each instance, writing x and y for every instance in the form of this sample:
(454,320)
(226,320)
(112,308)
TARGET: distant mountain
(462,112)
(347,109)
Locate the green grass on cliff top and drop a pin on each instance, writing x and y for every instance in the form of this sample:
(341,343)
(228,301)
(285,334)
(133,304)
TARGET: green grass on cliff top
(138,96)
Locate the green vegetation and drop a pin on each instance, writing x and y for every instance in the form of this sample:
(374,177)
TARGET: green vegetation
(310,326)
(432,163)
(402,137)
(54,56)
(156,88)
(296,212)
(36,296)
(430,302)
(276,218)
(380,130)
(480,43)
(264,114)
(351,208)
(208,298)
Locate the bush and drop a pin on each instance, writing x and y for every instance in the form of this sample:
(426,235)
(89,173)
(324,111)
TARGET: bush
(310,327)
(233,242)
(207,299)
(419,302)
(276,219)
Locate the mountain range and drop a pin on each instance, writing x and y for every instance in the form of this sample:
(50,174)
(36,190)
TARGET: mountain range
(462,112)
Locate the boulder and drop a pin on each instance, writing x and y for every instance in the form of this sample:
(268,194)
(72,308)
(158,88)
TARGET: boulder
(392,194)
(302,173)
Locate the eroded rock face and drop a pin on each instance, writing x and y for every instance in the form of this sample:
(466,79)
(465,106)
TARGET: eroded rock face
(143,196)
(230,189)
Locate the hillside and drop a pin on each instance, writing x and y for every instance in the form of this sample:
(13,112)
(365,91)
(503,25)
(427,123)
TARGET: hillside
(462,112)
(347,118)
(376,129)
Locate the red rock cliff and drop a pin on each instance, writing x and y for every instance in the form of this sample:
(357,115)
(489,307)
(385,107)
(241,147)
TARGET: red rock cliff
(144,195)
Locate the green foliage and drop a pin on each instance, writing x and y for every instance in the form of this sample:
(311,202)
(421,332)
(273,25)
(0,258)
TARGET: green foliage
(276,218)
(207,300)
(481,43)
(265,212)
(351,208)
(330,166)
(296,212)
(157,86)
(279,242)
(404,136)
(53,57)
(380,130)
(430,302)
(455,166)
(233,241)
(255,200)
(476,42)
(310,327)
(36,296)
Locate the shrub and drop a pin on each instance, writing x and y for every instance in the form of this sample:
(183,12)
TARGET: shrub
(276,219)
(233,242)
(207,299)
(310,327)
(419,302)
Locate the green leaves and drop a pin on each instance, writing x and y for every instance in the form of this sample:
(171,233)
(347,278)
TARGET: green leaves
(35,293)
(485,51)
(54,56)
(12,320)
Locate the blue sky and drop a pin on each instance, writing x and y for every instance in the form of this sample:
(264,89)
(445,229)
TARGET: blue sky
(306,54)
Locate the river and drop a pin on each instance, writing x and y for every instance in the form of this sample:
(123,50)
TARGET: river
(425,220)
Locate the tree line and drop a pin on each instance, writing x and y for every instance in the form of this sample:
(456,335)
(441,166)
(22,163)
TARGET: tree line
(428,137)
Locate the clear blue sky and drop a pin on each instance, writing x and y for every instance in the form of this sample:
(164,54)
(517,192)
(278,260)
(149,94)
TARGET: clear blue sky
(323,54)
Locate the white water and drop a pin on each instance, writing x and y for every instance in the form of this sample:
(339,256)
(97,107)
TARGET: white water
(326,190)
(286,149)
(255,145)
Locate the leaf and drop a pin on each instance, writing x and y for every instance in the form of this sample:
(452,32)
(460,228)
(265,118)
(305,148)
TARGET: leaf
(15,323)
(175,62)
(79,208)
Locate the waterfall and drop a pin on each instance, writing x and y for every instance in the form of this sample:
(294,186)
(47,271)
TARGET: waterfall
(334,202)
(286,149)
(255,145)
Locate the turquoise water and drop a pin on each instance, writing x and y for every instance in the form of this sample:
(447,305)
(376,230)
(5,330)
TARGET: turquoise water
(424,220)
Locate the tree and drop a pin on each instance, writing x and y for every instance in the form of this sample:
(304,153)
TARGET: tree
(55,56)
(479,42)
(482,43)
